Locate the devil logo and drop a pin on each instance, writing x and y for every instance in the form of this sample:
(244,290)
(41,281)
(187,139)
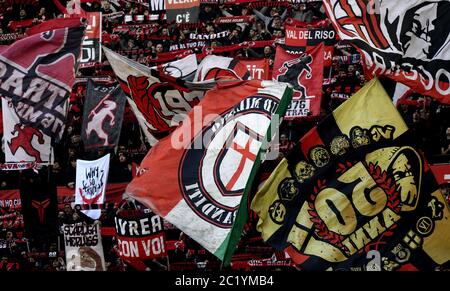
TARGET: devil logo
(97,119)
(23,140)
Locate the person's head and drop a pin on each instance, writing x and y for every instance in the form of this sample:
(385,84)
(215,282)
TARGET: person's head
(159,48)
(252,33)
(165,31)
(122,158)
(267,50)
(73,162)
(447,132)
(61,214)
(106,5)
(342,74)
(56,167)
(209,28)
(72,152)
(208,8)
(130,43)
(67,209)
(274,11)
(277,21)
(42,11)
(9,235)
(22,13)
(283,137)
(260,26)
(351,68)
(75,216)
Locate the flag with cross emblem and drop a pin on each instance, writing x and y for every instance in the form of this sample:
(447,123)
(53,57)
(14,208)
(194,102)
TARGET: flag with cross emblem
(210,160)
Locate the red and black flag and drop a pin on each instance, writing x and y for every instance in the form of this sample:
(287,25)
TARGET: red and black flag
(140,235)
(407,41)
(300,39)
(103,115)
(37,74)
(182,11)
(304,71)
(39,204)
(354,195)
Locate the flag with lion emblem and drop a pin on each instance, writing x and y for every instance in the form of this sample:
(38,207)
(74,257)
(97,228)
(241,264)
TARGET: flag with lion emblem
(353,195)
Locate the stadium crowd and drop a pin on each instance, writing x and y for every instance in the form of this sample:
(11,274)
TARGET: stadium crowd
(429,120)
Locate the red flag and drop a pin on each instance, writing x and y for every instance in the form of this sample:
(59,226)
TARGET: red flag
(54,24)
(305,73)
(258,68)
(209,160)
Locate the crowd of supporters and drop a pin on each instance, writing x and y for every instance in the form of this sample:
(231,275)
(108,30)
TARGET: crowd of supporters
(428,119)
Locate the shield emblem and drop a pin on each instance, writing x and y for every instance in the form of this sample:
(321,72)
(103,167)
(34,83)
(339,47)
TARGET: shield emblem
(235,160)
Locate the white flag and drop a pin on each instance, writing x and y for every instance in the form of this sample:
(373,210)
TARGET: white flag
(91,180)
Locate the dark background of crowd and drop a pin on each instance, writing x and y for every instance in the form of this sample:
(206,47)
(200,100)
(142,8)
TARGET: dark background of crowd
(428,119)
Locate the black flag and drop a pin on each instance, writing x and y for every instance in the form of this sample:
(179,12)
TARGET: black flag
(103,115)
(39,204)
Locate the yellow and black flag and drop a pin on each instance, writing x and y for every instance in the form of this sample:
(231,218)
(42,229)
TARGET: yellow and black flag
(353,195)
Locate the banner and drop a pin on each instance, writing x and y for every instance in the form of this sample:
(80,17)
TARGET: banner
(157,6)
(39,205)
(407,42)
(7,37)
(352,195)
(90,184)
(140,235)
(302,39)
(235,19)
(37,76)
(25,146)
(304,72)
(209,164)
(11,217)
(212,36)
(258,69)
(187,45)
(114,194)
(154,100)
(103,115)
(182,11)
(91,51)
(214,67)
(84,249)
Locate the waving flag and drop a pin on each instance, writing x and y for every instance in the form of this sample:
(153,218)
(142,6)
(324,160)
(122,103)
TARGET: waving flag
(153,97)
(103,115)
(303,39)
(407,41)
(214,67)
(304,71)
(90,185)
(24,145)
(352,190)
(210,161)
(37,74)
